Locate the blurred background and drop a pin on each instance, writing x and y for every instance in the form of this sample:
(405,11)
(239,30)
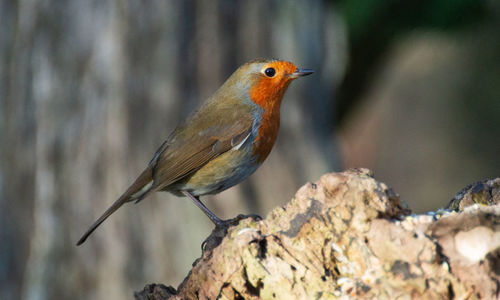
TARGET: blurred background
(90,89)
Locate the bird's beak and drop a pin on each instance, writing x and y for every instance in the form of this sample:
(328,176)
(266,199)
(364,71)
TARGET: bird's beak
(301,72)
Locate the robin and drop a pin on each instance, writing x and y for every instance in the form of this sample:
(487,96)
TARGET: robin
(222,143)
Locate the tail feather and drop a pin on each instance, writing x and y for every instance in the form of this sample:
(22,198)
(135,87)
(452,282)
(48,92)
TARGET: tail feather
(141,187)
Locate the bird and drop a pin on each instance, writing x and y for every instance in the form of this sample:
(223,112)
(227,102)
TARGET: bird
(221,143)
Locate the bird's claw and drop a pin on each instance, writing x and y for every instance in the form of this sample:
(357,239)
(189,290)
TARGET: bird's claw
(221,228)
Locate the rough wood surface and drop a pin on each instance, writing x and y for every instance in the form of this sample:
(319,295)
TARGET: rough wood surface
(346,236)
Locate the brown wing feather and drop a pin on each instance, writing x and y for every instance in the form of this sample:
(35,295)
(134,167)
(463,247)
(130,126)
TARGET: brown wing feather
(204,136)
(172,166)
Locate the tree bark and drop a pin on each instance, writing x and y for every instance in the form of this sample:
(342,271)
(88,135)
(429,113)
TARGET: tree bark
(348,235)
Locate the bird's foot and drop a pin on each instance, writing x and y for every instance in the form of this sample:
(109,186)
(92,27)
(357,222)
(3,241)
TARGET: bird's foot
(234,221)
(220,230)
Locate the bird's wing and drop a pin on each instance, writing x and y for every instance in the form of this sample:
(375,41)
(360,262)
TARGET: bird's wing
(184,153)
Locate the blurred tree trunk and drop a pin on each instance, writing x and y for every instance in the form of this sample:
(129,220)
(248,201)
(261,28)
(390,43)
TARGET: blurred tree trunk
(90,89)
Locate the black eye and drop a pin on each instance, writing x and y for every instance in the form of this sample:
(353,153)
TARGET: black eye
(270,72)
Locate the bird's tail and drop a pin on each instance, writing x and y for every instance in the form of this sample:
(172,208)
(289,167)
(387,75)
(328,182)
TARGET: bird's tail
(141,187)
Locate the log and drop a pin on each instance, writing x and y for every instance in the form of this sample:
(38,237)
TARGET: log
(347,236)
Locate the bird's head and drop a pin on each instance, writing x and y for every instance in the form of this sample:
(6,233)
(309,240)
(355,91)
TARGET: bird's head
(266,80)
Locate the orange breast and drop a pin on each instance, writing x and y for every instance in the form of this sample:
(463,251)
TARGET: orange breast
(267,134)
(268,96)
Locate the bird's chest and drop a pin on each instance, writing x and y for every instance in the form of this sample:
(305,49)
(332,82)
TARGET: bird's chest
(266,134)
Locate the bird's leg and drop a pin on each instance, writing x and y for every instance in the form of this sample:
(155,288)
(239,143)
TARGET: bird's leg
(205,209)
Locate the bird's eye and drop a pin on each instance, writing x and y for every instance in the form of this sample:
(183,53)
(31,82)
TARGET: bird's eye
(270,72)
